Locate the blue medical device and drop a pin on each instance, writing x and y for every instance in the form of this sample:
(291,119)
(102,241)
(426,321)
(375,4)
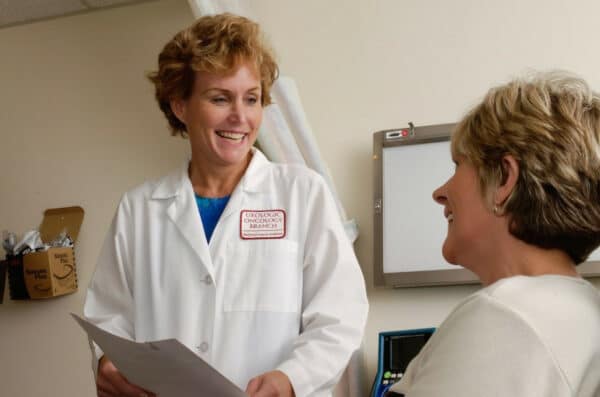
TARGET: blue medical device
(396,349)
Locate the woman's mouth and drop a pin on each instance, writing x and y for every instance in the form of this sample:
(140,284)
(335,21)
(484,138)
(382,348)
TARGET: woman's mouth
(231,135)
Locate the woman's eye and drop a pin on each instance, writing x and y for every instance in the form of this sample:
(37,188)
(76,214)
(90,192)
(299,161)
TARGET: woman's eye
(252,100)
(219,100)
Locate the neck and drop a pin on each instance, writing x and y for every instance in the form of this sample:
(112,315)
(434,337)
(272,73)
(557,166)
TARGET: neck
(209,180)
(515,257)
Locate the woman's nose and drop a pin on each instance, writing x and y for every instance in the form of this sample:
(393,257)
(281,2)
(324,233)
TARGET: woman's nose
(238,112)
(439,194)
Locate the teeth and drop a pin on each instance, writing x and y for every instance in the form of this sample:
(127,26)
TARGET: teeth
(236,136)
(450,217)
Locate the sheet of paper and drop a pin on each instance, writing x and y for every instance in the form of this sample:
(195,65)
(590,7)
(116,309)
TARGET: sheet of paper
(165,367)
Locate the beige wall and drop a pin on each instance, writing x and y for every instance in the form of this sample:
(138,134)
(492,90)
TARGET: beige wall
(79,126)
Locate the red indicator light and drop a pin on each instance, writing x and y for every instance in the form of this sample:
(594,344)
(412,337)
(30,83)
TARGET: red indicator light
(404,133)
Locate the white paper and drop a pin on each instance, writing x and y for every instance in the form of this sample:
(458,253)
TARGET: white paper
(166,367)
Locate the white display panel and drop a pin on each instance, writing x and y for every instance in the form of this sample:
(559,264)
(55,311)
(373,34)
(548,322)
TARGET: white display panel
(414,227)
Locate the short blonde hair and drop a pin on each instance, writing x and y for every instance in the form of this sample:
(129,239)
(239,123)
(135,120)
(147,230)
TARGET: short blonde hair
(215,44)
(550,124)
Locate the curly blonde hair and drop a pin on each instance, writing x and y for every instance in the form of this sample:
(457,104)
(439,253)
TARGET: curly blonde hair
(215,44)
(550,124)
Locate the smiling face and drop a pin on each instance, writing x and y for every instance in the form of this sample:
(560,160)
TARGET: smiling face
(222,117)
(469,218)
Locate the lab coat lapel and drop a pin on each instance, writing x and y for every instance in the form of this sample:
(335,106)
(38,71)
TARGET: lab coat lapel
(183,211)
(248,184)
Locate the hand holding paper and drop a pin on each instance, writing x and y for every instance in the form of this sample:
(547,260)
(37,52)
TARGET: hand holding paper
(165,367)
(111,383)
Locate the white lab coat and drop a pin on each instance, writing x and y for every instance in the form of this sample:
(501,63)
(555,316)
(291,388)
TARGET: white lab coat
(297,304)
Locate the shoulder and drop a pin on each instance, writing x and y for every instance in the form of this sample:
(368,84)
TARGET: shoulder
(491,329)
(283,175)
(530,298)
(142,190)
(548,286)
(527,300)
(478,317)
(483,345)
(162,187)
(523,325)
(564,314)
(297,173)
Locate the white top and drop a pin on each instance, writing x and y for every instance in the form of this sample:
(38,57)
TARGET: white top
(519,337)
(294,302)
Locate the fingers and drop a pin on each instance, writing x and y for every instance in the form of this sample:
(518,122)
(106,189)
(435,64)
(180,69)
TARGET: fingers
(265,393)
(111,383)
(104,386)
(270,384)
(265,389)
(254,385)
(106,370)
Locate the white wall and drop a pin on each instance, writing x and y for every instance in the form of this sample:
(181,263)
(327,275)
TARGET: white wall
(79,126)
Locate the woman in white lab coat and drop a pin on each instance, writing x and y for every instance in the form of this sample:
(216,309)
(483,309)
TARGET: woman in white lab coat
(523,209)
(244,261)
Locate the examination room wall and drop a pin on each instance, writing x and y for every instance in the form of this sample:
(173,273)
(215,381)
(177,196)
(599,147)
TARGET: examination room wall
(79,126)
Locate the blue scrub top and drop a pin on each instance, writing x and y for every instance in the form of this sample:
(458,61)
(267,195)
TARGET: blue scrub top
(210,211)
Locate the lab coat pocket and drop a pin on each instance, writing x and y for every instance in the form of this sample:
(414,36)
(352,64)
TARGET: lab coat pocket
(263,275)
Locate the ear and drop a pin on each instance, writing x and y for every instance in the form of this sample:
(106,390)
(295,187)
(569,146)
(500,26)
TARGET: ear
(178,108)
(510,166)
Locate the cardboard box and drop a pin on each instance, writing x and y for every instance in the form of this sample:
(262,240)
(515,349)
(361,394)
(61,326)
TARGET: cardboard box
(53,272)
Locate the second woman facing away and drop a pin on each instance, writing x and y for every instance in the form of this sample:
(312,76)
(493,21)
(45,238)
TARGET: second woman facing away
(523,209)
(244,261)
